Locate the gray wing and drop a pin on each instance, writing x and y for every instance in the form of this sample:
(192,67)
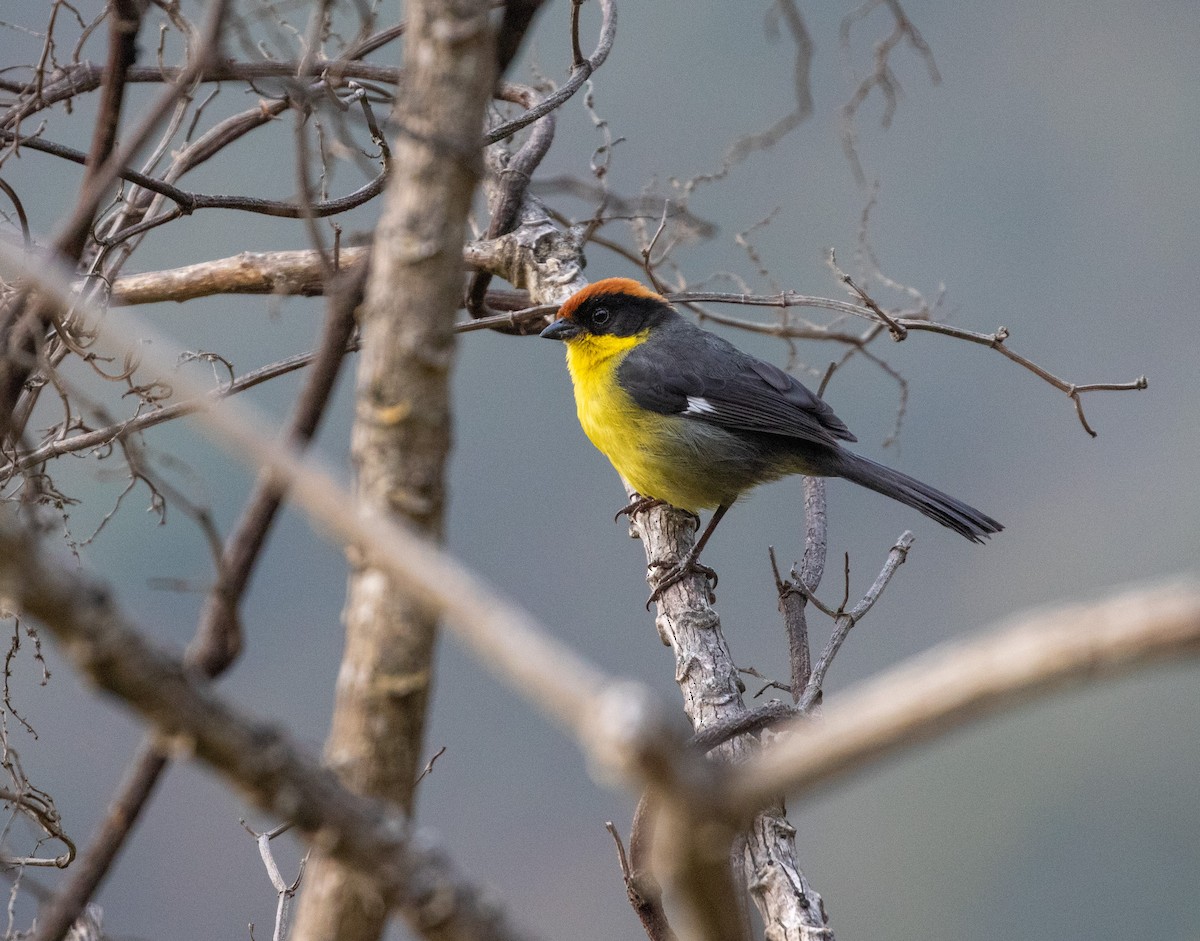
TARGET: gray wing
(690,373)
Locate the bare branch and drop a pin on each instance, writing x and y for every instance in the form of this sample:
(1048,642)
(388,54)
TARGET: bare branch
(284,890)
(844,620)
(881,76)
(962,682)
(712,697)
(902,324)
(188,202)
(269,769)
(579,75)
(794,597)
(801,90)
(295,273)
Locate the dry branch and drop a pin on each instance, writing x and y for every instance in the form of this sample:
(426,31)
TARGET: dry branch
(294,273)
(402,432)
(297,273)
(962,682)
(269,769)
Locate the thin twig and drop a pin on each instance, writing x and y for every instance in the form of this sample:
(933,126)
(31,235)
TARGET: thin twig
(845,620)
(608,32)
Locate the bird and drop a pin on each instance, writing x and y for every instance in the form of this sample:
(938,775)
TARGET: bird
(687,418)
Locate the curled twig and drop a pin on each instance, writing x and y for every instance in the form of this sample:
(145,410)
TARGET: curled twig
(608,32)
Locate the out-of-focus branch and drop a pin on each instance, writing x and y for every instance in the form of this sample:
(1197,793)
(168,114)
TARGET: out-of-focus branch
(625,733)
(269,769)
(508,639)
(218,639)
(187,202)
(881,76)
(962,682)
(402,431)
(801,91)
(83,77)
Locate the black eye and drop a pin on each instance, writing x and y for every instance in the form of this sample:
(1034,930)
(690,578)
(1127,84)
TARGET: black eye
(600,316)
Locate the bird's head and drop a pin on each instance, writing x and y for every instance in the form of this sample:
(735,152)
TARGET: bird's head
(614,307)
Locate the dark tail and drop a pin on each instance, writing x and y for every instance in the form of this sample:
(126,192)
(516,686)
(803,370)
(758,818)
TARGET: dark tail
(951,513)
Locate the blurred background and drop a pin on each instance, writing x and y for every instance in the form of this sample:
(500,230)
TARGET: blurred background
(1048,183)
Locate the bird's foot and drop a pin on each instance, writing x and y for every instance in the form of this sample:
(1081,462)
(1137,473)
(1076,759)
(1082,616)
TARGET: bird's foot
(640,505)
(688,566)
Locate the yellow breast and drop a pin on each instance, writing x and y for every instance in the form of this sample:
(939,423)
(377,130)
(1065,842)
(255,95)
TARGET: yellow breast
(649,450)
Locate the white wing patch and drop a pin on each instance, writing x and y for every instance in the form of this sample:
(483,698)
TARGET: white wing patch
(697,405)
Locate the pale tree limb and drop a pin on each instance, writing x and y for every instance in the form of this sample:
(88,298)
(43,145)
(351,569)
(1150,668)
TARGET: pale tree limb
(712,693)
(402,433)
(296,273)
(957,683)
(284,891)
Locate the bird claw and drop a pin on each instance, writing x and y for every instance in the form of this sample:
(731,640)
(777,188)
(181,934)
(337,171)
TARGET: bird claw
(640,505)
(678,574)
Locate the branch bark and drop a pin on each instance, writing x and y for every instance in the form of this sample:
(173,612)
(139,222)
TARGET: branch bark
(401,437)
(712,694)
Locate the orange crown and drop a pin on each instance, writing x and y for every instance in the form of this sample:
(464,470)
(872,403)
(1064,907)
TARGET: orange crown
(607,286)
